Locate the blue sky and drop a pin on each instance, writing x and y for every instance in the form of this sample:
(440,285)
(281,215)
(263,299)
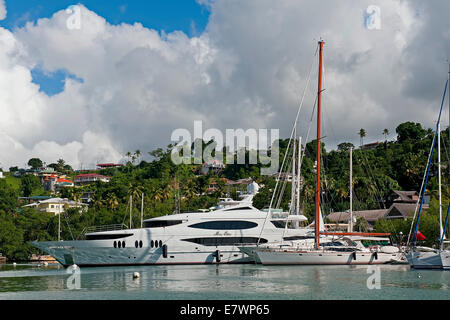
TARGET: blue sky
(168,15)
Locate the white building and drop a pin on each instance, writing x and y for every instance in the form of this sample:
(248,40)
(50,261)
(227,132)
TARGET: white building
(56,205)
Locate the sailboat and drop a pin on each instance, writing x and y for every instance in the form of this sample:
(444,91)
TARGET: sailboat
(420,257)
(327,247)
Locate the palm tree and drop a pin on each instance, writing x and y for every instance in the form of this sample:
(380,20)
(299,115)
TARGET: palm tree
(386,133)
(138,154)
(135,190)
(361,225)
(112,201)
(362,134)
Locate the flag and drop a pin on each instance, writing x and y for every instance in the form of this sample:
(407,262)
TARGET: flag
(419,236)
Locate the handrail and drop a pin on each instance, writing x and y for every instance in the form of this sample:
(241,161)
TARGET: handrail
(110,227)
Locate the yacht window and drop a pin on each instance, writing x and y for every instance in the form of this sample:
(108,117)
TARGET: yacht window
(152,243)
(107,236)
(115,244)
(120,244)
(140,244)
(160,243)
(279,224)
(297,238)
(241,208)
(156,243)
(136,244)
(225,241)
(161,223)
(123,244)
(225,225)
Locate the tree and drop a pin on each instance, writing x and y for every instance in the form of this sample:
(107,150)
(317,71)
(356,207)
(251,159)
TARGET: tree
(345,146)
(35,163)
(28,184)
(410,131)
(362,134)
(385,133)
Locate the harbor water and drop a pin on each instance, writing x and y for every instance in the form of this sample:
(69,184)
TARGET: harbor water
(222,282)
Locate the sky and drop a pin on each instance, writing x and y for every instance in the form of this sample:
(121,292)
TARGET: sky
(90,81)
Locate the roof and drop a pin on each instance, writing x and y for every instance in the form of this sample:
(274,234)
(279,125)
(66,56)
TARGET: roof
(402,210)
(91,175)
(106,165)
(406,196)
(369,215)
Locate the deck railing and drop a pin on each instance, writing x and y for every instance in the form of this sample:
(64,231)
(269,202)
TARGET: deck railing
(110,227)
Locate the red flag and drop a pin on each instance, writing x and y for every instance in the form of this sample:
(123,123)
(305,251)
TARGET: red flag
(420,236)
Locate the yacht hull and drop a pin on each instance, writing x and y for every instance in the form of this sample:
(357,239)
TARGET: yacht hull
(324,258)
(89,254)
(445,259)
(424,260)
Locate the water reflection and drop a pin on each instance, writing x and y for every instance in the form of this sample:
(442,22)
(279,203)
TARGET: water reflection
(224,282)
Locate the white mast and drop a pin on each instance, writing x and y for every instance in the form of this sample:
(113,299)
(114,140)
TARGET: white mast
(59,220)
(294,183)
(439,179)
(299,166)
(142,209)
(131,208)
(351,190)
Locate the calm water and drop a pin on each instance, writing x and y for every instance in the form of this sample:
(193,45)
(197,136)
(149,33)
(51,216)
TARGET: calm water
(224,282)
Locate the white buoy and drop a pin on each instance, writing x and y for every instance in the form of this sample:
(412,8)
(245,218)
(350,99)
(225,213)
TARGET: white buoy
(136,275)
(45,264)
(74,266)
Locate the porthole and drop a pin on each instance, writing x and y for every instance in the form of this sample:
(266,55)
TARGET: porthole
(120,244)
(115,244)
(156,244)
(152,244)
(136,244)
(123,244)
(160,243)
(140,244)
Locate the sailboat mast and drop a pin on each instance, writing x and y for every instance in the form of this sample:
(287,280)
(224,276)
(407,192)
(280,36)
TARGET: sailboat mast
(351,190)
(319,101)
(299,165)
(142,210)
(294,182)
(439,179)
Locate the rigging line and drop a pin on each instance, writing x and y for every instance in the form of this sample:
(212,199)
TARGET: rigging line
(370,173)
(429,164)
(70,230)
(276,185)
(288,169)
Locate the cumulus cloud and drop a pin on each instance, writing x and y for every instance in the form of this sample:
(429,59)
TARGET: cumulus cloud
(247,69)
(2,10)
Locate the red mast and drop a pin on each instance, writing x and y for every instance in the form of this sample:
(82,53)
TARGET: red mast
(319,100)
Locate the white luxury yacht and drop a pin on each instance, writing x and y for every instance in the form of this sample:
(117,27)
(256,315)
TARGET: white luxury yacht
(184,238)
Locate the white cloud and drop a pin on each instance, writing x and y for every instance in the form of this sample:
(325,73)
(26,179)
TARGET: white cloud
(246,70)
(2,10)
